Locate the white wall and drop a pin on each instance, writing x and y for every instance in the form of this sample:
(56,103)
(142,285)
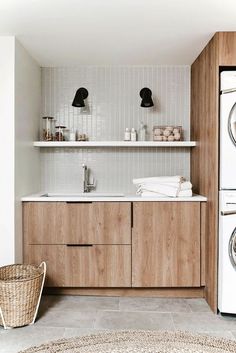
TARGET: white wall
(27,114)
(19,113)
(7,155)
(114,104)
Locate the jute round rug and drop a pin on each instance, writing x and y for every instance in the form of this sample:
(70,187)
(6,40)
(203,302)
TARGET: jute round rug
(138,342)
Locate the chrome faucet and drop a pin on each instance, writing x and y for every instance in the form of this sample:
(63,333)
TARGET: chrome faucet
(86,184)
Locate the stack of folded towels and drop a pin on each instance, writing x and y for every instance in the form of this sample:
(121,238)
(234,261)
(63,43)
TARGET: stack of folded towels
(164,186)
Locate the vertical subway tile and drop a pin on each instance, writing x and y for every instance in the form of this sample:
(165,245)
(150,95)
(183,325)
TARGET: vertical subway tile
(114,104)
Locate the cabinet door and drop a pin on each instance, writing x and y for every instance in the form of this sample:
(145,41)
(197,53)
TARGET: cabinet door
(44,222)
(98,266)
(166,244)
(99,223)
(54,256)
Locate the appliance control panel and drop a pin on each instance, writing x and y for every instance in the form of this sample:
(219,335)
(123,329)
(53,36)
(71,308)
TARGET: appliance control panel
(227,202)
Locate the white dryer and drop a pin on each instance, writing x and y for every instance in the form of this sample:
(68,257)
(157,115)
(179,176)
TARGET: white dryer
(227,253)
(228,130)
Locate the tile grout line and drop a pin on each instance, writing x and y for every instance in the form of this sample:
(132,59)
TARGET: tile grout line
(190,309)
(131,311)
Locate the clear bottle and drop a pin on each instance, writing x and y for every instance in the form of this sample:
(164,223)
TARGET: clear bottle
(142,132)
(72,136)
(59,135)
(127,134)
(133,134)
(48,128)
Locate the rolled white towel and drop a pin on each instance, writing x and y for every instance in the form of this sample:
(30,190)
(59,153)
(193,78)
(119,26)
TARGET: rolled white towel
(162,179)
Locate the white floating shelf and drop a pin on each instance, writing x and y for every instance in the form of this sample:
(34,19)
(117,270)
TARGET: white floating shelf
(114,144)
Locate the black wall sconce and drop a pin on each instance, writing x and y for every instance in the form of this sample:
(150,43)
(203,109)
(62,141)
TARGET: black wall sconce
(146,95)
(80,96)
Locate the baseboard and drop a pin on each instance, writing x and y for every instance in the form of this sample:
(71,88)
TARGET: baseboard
(131,292)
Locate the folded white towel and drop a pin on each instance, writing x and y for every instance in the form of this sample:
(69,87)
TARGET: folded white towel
(154,186)
(184,193)
(186,185)
(160,188)
(162,179)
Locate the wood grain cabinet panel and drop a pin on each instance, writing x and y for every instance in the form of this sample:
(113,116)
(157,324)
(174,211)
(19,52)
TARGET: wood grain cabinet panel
(98,266)
(54,256)
(44,222)
(77,223)
(99,223)
(166,244)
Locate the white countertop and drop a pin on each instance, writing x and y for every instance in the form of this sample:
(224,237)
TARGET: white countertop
(70,198)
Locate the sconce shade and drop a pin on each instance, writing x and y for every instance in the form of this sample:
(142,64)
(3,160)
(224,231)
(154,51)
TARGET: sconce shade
(146,95)
(80,96)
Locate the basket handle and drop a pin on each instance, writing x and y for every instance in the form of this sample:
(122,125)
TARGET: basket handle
(3,320)
(44,265)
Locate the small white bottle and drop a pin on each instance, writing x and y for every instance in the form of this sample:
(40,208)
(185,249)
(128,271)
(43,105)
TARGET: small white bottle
(127,134)
(142,132)
(133,134)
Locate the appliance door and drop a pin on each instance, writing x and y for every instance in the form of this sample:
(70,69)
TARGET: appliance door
(227,80)
(227,264)
(228,141)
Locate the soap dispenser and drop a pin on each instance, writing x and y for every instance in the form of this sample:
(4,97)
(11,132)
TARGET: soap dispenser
(127,134)
(142,132)
(133,134)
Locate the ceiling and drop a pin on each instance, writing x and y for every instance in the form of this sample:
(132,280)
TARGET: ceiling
(115,32)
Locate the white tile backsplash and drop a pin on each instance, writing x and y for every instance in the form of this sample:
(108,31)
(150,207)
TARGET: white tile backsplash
(114,104)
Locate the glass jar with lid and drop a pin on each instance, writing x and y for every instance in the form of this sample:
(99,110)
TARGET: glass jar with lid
(48,128)
(59,135)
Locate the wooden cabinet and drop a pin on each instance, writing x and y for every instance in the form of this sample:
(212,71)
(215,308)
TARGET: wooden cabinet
(166,244)
(85,244)
(54,256)
(88,244)
(77,222)
(45,222)
(98,266)
(83,266)
(99,223)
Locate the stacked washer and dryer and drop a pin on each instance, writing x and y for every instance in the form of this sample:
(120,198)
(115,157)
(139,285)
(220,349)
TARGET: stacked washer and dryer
(227,195)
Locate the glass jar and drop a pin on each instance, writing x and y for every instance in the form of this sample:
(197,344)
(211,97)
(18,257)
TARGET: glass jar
(59,135)
(48,128)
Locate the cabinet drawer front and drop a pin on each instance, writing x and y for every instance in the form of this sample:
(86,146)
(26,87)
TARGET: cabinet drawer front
(54,256)
(99,223)
(98,266)
(166,244)
(44,222)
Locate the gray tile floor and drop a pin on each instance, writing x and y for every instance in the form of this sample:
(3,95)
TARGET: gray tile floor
(68,316)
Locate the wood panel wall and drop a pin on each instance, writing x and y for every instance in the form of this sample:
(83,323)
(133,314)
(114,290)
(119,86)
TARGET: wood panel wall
(220,51)
(227,48)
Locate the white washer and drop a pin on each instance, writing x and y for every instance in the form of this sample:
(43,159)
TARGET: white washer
(228,130)
(227,253)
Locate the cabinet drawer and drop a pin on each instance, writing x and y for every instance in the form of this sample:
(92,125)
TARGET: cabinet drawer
(98,266)
(54,256)
(44,222)
(77,223)
(99,223)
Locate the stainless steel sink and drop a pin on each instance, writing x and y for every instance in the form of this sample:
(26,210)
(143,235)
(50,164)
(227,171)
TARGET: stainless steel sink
(88,194)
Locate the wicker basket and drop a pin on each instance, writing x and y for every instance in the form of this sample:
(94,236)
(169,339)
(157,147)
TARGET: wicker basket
(158,132)
(20,293)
